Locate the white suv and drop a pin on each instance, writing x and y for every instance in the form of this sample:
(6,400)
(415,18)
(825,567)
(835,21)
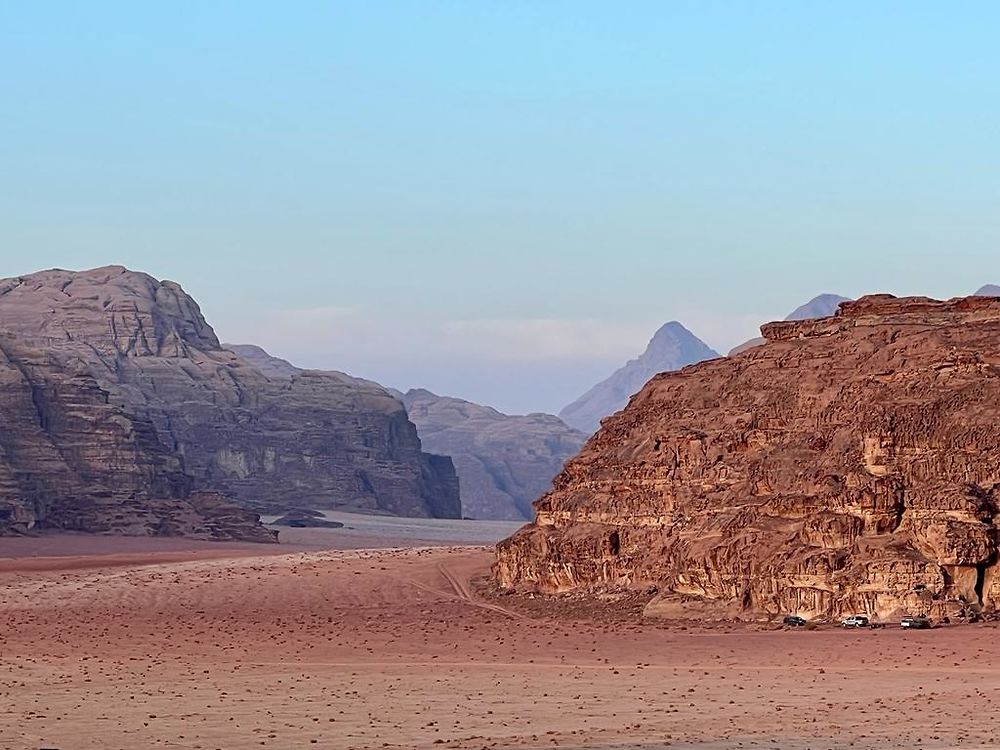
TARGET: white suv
(854,621)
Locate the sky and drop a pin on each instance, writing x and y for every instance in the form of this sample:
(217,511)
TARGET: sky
(502,200)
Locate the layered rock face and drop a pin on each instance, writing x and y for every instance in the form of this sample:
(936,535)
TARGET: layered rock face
(850,464)
(120,403)
(74,457)
(373,435)
(504,462)
(671,348)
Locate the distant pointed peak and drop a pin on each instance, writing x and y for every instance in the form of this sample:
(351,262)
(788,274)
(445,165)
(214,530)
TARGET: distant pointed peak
(672,327)
(673,330)
(990,290)
(673,337)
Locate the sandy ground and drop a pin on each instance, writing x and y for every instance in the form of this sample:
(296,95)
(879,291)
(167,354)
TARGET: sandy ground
(391,649)
(366,531)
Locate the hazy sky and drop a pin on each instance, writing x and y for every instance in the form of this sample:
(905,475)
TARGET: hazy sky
(502,200)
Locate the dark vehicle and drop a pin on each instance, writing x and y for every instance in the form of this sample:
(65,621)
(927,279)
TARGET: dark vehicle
(854,621)
(794,621)
(915,623)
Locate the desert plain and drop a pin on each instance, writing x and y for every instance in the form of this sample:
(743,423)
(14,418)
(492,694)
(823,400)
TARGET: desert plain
(125,643)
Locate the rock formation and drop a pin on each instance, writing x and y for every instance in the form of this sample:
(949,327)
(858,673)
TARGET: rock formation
(990,290)
(305,519)
(850,464)
(124,413)
(504,462)
(822,306)
(671,348)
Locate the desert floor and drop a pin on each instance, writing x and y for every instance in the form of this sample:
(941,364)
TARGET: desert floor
(200,646)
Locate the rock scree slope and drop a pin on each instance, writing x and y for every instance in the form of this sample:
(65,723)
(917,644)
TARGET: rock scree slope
(850,464)
(124,414)
(672,347)
(504,462)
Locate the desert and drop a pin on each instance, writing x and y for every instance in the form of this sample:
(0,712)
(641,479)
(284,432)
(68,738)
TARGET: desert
(198,645)
(560,375)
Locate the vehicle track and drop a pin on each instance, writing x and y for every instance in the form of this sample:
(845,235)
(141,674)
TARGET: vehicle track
(460,590)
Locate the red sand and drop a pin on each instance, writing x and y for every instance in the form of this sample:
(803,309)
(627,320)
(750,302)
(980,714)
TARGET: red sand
(388,649)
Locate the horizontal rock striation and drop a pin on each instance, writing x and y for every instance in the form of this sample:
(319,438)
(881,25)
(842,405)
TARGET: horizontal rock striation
(504,462)
(74,458)
(124,414)
(850,464)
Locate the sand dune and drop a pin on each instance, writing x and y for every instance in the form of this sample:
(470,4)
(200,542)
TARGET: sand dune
(392,649)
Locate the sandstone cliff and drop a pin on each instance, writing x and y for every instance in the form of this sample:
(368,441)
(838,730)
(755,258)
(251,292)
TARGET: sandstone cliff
(504,462)
(850,464)
(76,458)
(116,384)
(672,347)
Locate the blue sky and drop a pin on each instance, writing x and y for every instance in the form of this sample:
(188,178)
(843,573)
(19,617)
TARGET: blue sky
(502,200)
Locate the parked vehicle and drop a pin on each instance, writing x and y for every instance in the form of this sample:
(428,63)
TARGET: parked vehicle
(794,621)
(855,621)
(920,622)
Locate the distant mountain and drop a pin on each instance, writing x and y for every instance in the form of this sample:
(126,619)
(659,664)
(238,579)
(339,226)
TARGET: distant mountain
(990,290)
(671,348)
(504,462)
(822,306)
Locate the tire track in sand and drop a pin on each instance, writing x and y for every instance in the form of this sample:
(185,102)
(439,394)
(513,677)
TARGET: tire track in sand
(460,591)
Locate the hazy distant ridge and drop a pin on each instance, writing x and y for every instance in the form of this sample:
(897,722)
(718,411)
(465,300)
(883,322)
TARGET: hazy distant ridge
(671,348)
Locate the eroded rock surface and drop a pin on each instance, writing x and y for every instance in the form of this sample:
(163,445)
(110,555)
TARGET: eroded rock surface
(821,306)
(123,413)
(850,464)
(504,462)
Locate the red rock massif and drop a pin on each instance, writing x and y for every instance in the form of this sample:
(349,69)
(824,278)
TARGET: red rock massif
(122,413)
(850,464)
